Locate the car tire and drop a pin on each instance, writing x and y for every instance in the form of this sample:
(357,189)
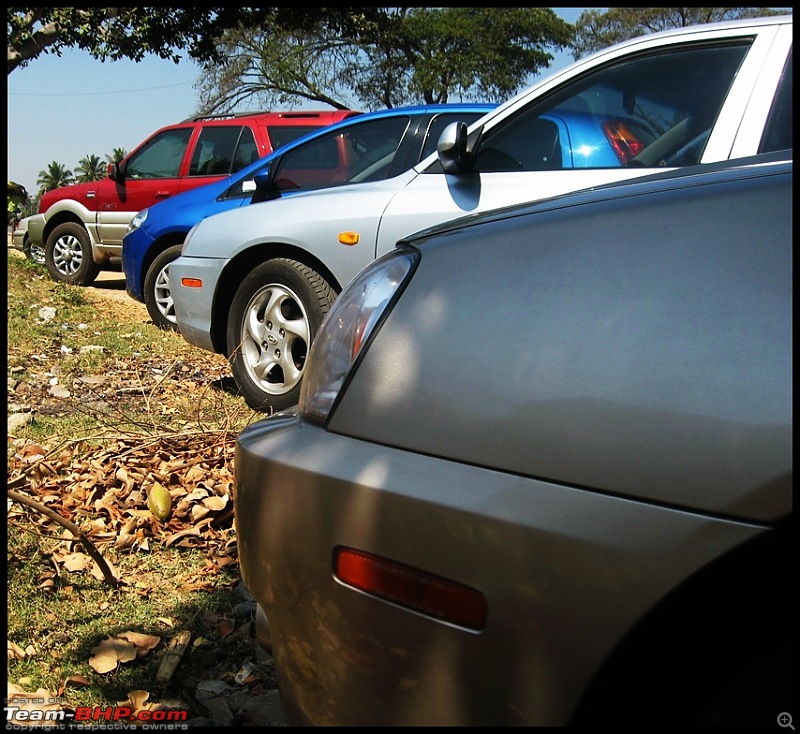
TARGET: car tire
(68,255)
(33,252)
(157,291)
(274,317)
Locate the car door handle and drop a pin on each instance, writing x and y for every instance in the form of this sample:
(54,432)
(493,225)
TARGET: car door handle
(162,194)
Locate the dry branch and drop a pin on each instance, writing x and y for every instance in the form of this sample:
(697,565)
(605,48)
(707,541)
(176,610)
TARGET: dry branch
(95,554)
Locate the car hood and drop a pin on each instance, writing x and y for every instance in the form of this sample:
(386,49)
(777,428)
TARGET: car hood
(73,191)
(186,207)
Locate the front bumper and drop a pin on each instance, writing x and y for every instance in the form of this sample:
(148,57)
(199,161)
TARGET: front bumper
(135,246)
(36,224)
(566,574)
(19,234)
(194,306)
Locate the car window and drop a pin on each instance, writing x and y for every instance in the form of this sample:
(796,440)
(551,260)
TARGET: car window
(362,152)
(161,156)
(778,132)
(655,109)
(280,135)
(246,151)
(214,152)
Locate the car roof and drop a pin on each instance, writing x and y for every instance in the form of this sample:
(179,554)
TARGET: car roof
(485,107)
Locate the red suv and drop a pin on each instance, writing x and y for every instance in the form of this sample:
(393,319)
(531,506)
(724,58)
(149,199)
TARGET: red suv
(81,227)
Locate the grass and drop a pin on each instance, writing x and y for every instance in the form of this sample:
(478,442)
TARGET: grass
(119,376)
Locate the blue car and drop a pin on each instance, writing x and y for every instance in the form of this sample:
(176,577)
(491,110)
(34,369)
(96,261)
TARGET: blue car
(370,147)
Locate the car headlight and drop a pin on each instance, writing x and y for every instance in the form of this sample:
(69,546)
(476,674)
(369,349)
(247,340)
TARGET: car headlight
(138,220)
(350,324)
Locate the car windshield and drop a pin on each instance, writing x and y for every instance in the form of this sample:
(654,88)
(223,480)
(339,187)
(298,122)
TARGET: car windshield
(656,109)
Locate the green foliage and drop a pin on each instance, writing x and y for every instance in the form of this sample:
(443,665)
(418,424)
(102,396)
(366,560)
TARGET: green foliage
(132,33)
(597,29)
(90,168)
(54,176)
(117,155)
(403,56)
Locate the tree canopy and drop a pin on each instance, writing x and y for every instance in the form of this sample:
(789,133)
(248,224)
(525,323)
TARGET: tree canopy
(54,176)
(132,33)
(597,29)
(404,56)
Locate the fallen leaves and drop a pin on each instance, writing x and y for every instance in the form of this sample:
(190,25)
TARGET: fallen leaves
(124,648)
(172,490)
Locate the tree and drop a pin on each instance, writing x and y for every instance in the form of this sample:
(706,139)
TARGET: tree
(90,168)
(117,155)
(405,56)
(596,30)
(54,176)
(132,33)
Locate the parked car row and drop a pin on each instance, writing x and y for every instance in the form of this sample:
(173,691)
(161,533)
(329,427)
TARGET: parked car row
(254,284)
(80,227)
(369,147)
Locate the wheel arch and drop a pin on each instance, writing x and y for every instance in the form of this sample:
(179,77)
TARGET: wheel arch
(62,217)
(236,270)
(726,614)
(156,248)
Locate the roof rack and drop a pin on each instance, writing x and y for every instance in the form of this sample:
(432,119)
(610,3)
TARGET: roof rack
(232,115)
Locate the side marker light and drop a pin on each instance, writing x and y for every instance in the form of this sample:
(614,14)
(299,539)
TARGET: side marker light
(411,587)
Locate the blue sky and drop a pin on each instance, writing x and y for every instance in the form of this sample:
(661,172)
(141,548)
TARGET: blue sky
(64,108)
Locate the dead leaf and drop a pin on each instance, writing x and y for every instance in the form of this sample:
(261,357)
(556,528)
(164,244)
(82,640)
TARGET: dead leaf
(76,561)
(110,653)
(144,643)
(215,503)
(76,681)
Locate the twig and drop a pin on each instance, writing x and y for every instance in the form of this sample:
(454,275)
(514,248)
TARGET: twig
(173,656)
(74,529)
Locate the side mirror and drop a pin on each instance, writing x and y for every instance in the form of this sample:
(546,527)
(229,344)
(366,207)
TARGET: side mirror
(116,171)
(456,149)
(264,184)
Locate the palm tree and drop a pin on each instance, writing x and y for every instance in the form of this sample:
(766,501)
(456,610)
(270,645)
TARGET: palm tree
(90,168)
(117,155)
(54,176)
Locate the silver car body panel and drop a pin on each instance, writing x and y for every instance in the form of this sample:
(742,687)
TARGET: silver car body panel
(631,383)
(639,430)
(19,234)
(308,491)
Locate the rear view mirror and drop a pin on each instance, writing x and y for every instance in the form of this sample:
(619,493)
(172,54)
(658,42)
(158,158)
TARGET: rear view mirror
(456,149)
(264,187)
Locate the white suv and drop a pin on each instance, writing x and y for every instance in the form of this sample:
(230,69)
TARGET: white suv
(256,287)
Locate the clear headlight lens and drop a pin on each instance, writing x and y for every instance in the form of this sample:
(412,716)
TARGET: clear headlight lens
(138,220)
(353,319)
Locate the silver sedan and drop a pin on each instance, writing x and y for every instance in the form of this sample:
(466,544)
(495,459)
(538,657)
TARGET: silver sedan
(541,470)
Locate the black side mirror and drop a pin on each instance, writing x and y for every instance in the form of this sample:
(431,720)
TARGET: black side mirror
(265,184)
(116,170)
